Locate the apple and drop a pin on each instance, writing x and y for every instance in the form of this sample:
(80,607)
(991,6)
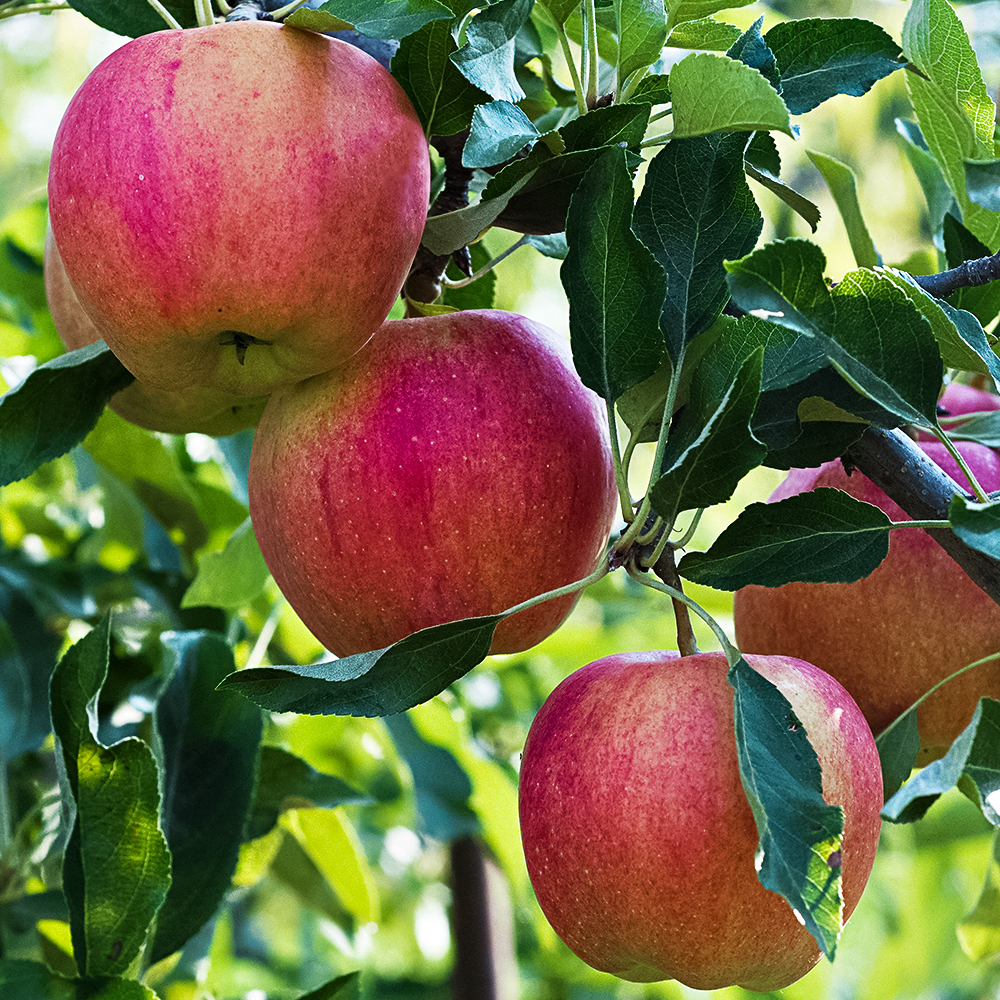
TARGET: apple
(237,205)
(194,409)
(454,467)
(637,833)
(892,636)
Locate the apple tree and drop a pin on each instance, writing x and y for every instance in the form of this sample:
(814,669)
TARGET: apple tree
(197,798)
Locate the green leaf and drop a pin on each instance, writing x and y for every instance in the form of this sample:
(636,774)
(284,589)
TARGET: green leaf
(210,742)
(24,980)
(560,9)
(346,987)
(441,785)
(652,89)
(763,164)
(713,93)
(898,746)
(843,186)
(711,447)
(959,335)
(694,212)
(378,18)
(951,102)
(55,408)
(116,870)
(984,429)
(977,524)
(863,326)
(499,130)
(692,10)
(706,34)
(135,17)
(823,536)
(751,49)
(284,782)
(642,31)
(820,57)
(487,58)
(379,683)
(442,97)
(614,285)
(232,578)
(979,931)
(975,755)
(800,835)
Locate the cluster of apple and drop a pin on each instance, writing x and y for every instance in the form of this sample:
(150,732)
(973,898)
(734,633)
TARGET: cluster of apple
(234,210)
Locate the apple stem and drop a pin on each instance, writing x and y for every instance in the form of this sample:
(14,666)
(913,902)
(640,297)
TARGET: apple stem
(486,268)
(172,21)
(979,492)
(665,568)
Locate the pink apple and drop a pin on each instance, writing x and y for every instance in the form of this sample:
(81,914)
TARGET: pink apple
(195,409)
(237,205)
(453,468)
(637,833)
(892,636)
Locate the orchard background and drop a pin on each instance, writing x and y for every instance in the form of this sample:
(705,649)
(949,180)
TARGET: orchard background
(364,830)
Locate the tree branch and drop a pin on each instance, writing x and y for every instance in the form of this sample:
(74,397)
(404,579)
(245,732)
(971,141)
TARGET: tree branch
(897,465)
(968,274)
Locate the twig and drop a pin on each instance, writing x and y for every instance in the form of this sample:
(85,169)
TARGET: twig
(968,274)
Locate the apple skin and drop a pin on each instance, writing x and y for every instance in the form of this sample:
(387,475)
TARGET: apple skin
(244,177)
(892,636)
(637,833)
(195,409)
(453,468)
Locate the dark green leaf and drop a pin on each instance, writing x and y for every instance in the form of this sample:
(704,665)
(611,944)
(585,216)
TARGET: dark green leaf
(383,682)
(977,524)
(116,870)
(898,747)
(822,536)
(822,57)
(975,754)
(210,741)
(345,987)
(443,99)
(135,17)
(499,130)
(382,18)
(750,48)
(285,782)
(798,203)
(711,446)
(442,787)
(959,246)
(55,408)
(985,429)
(864,325)
(487,58)
(653,89)
(696,211)
(800,835)
(982,180)
(614,286)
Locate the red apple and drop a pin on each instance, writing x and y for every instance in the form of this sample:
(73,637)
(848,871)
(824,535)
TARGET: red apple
(194,409)
(237,205)
(637,833)
(892,636)
(453,468)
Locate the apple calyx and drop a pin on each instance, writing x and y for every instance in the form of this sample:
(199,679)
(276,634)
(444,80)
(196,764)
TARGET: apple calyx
(241,341)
